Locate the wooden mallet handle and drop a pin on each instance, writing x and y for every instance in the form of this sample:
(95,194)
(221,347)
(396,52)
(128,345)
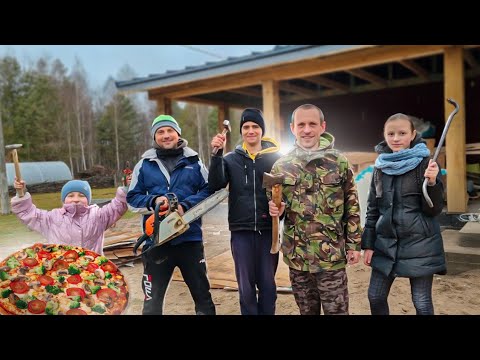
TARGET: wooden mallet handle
(18,175)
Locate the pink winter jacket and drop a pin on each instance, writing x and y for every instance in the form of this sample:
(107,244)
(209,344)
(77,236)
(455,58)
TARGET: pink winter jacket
(72,224)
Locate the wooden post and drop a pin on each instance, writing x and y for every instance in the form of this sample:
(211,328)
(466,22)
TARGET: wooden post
(4,198)
(164,106)
(455,142)
(271,109)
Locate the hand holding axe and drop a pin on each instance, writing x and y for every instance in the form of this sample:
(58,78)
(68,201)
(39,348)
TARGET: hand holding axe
(226,128)
(274,184)
(13,149)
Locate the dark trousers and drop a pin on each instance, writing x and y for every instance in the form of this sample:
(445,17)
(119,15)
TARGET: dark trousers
(326,289)
(379,289)
(159,264)
(255,268)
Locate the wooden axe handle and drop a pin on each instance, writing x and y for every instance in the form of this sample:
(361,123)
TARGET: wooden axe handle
(277,199)
(18,175)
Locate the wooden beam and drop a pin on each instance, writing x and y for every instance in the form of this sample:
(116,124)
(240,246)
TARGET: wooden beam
(247,92)
(303,68)
(324,81)
(298,89)
(198,100)
(365,75)
(369,87)
(455,141)
(271,109)
(415,68)
(470,59)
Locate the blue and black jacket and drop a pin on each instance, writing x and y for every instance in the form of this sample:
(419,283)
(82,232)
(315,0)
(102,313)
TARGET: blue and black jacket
(188,181)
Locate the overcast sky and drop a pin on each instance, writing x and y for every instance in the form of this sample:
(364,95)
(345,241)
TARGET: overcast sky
(100,61)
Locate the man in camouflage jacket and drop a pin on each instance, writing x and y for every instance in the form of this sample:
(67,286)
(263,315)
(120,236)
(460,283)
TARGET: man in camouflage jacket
(322,230)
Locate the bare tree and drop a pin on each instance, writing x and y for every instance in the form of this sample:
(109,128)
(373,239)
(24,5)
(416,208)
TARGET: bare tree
(79,124)
(4,198)
(115,127)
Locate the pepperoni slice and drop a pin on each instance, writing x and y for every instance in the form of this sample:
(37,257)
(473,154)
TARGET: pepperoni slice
(76,312)
(91,253)
(19,287)
(37,306)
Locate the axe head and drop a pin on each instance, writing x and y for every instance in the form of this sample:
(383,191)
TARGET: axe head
(269,180)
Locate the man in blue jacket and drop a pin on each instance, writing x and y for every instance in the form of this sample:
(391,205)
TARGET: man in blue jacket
(172,167)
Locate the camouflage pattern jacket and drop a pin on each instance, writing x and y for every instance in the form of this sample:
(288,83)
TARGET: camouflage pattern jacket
(322,219)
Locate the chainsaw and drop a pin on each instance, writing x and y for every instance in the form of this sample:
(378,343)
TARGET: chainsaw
(166,223)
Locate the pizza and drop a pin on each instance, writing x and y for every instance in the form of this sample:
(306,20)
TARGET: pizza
(47,279)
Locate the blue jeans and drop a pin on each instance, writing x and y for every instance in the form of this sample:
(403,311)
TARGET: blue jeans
(379,289)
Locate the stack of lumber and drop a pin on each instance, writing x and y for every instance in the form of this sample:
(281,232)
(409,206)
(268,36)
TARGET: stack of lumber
(118,246)
(472,149)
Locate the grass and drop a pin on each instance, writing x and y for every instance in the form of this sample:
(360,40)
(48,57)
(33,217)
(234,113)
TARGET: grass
(49,201)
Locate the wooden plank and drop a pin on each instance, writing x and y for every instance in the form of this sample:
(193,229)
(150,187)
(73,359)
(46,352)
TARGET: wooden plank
(472,146)
(123,238)
(454,88)
(471,227)
(469,59)
(323,81)
(110,233)
(415,68)
(121,253)
(365,75)
(221,272)
(247,92)
(123,244)
(285,86)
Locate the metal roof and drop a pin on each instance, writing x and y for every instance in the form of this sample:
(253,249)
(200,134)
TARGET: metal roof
(256,60)
(40,172)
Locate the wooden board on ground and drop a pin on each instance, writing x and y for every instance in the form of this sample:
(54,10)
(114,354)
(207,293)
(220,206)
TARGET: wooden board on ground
(123,244)
(471,227)
(110,240)
(221,272)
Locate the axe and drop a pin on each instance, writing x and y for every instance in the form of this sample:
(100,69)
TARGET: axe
(274,184)
(13,149)
(226,128)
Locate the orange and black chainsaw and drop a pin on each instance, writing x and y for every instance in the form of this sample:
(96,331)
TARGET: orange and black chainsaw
(166,223)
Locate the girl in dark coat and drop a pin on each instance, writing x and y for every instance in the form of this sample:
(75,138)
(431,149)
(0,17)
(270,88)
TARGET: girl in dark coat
(402,237)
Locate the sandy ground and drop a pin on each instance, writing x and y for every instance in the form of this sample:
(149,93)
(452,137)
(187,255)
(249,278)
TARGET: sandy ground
(454,294)
(457,294)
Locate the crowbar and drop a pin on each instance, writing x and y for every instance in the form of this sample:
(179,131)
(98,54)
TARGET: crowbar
(439,147)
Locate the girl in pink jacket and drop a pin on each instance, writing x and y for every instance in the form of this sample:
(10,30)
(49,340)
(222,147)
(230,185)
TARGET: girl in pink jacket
(76,223)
